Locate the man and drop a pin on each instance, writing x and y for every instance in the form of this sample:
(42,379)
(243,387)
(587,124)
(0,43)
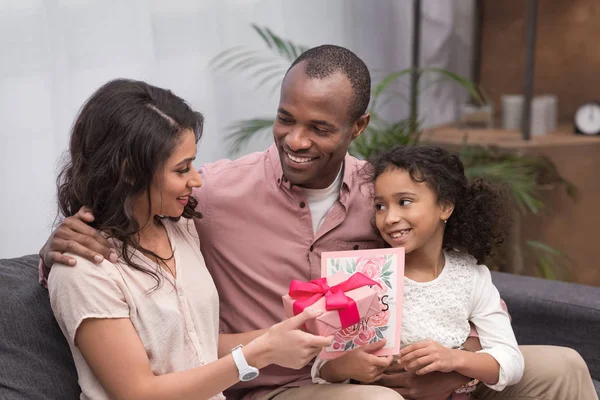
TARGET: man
(267,217)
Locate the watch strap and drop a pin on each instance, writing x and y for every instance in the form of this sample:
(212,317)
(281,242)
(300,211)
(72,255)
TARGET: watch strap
(239,358)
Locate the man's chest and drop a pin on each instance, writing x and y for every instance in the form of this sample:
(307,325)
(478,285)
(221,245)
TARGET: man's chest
(267,247)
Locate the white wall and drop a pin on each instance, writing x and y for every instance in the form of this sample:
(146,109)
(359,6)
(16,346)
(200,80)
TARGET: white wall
(54,54)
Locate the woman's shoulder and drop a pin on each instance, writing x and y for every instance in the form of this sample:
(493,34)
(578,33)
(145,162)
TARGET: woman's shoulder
(83,273)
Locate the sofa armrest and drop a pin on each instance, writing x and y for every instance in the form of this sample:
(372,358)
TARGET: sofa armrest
(554,313)
(35,359)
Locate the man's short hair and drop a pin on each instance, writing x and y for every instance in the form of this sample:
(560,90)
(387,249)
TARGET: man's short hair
(326,60)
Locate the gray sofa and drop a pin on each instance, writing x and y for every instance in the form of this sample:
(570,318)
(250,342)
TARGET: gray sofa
(35,362)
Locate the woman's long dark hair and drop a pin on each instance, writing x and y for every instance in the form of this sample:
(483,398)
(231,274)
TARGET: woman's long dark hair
(122,136)
(480,217)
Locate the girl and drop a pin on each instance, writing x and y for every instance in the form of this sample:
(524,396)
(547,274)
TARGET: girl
(424,203)
(146,326)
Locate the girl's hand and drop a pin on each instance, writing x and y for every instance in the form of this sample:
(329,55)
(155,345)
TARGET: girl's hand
(285,344)
(358,364)
(428,356)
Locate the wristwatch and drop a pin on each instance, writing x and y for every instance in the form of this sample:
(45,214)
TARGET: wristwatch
(247,372)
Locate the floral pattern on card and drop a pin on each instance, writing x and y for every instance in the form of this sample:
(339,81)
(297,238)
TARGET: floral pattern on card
(384,268)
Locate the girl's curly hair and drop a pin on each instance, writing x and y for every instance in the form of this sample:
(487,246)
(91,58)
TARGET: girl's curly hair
(480,217)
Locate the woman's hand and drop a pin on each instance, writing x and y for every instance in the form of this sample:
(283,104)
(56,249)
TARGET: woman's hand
(285,344)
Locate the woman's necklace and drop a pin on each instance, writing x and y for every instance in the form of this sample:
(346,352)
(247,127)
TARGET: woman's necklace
(163,260)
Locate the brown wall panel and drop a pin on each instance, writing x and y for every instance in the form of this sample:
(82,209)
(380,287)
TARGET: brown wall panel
(567,61)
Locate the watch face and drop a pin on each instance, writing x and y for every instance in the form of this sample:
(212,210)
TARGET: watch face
(248,376)
(587,119)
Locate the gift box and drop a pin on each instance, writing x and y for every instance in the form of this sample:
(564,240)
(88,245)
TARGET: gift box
(346,301)
(386,267)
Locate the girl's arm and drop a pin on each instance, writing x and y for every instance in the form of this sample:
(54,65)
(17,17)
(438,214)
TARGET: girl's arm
(116,356)
(495,331)
(498,364)
(479,366)
(359,364)
(429,356)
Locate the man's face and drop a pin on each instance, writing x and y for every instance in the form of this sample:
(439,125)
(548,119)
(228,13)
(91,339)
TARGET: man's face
(313,129)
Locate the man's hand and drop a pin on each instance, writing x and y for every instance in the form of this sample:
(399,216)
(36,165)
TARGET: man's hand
(432,386)
(428,356)
(472,344)
(359,364)
(74,235)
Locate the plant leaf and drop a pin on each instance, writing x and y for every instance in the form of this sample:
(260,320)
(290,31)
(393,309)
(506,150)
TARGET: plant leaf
(241,132)
(281,46)
(263,35)
(225,62)
(348,267)
(226,54)
(546,268)
(245,65)
(278,75)
(542,246)
(461,80)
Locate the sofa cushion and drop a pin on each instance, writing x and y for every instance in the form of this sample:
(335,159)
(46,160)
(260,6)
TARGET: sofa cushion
(35,360)
(554,313)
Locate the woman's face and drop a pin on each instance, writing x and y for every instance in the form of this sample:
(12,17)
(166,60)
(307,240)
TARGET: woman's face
(172,185)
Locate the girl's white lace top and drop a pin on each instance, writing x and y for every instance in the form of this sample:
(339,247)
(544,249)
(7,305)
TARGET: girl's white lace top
(441,309)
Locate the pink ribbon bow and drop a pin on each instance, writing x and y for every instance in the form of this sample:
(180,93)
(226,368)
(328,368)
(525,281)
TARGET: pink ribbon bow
(307,293)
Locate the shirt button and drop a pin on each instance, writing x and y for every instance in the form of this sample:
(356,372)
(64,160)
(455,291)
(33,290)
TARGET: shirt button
(201,362)
(190,328)
(302,204)
(180,292)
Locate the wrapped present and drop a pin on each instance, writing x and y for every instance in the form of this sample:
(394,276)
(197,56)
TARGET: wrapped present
(385,266)
(346,301)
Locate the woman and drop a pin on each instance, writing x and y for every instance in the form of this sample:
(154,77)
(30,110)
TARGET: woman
(146,326)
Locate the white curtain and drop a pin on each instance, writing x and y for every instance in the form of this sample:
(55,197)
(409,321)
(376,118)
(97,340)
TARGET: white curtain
(55,53)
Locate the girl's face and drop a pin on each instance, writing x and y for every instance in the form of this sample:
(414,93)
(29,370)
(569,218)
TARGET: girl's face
(172,185)
(407,213)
